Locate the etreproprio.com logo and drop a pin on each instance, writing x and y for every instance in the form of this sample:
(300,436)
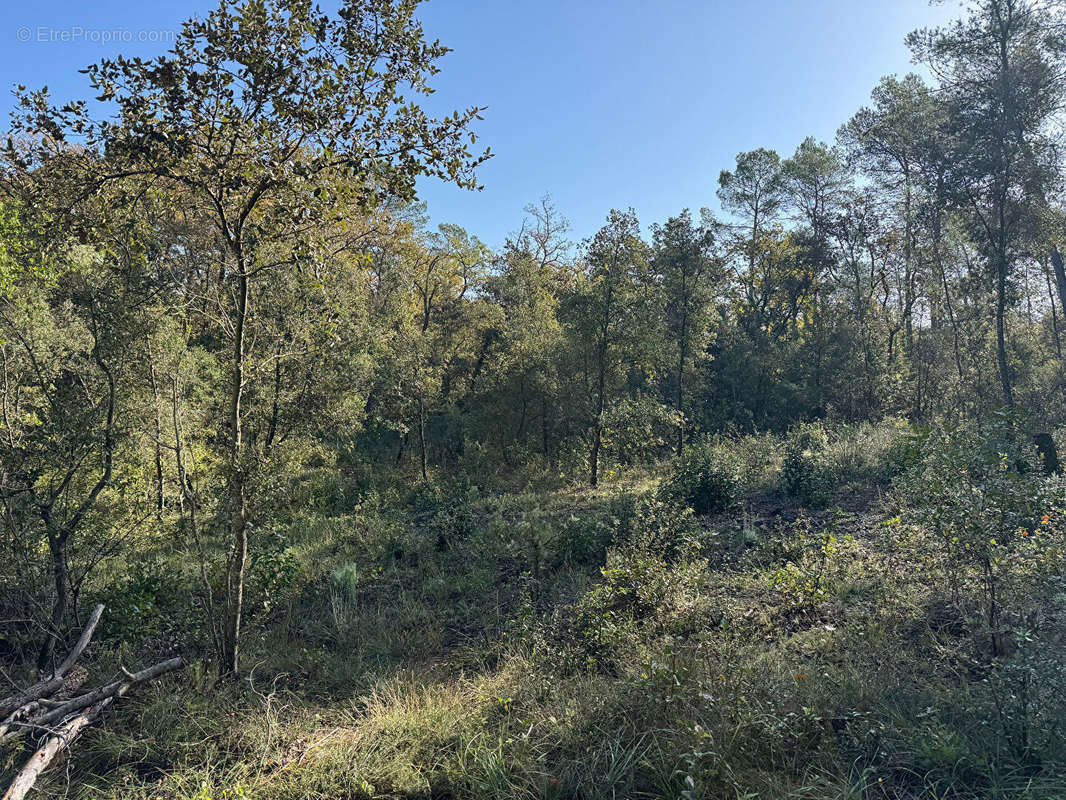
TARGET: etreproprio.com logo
(76,34)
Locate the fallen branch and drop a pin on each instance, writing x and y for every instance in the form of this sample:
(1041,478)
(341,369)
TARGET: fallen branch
(63,718)
(111,691)
(48,686)
(55,744)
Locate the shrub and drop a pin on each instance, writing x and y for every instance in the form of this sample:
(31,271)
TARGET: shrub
(445,510)
(583,538)
(901,454)
(807,473)
(146,605)
(987,505)
(706,478)
(635,429)
(664,529)
(273,574)
(652,574)
(807,578)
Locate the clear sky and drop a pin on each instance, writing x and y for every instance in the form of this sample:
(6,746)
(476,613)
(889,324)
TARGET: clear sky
(602,103)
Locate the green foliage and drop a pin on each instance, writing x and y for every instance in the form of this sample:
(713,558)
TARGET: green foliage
(148,605)
(806,580)
(707,478)
(636,430)
(446,507)
(584,538)
(20,255)
(663,529)
(274,572)
(806,472)
(652,572)
(470,571)
(982,495)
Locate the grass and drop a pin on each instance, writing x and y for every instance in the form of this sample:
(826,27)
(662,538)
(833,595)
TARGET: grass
(577,643)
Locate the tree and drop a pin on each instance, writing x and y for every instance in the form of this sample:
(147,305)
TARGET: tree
(684,257)
(68,317)
(276,121)
(1003,80)
(897,141)
(754,192)
(815,183)
(605,318)
(447,274)
(535,273)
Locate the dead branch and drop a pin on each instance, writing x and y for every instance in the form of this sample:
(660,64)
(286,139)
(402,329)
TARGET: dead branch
(112,690)
(47,706)
(55,744)
(48,686)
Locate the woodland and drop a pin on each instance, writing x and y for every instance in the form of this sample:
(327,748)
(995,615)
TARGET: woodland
(304,497)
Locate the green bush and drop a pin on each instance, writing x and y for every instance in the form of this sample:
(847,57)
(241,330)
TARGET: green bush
(444,509)
(807,472)
(706,478)
(990,511)
(664,529)
(274,572)
(901,454)
(637,430)
(146,605)
(650,579)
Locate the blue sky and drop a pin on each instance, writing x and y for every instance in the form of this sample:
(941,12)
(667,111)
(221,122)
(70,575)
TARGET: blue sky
(602,103)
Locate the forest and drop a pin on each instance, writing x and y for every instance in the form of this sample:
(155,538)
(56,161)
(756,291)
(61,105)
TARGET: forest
(303,497)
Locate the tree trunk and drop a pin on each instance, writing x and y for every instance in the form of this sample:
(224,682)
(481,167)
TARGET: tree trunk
(38,708)
(58,536)
(1054,311)
(594,456)
(187,498)
(57,545)
(601,386)
(1001,331)
(236,491)
(681,400)
(160,497)
(1060,274)
(908,269)
(422,438)
(48,686)
(544,426)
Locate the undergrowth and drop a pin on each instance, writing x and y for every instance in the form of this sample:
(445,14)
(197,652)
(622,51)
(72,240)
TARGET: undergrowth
(806,617)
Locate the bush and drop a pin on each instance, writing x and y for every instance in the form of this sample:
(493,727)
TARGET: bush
(274,573)
(989,509)
(664,529)
(444,509)
(706,478)
(636,430)
(807,473)
(815,565)
(147,605)
(901,454)
(650,580)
